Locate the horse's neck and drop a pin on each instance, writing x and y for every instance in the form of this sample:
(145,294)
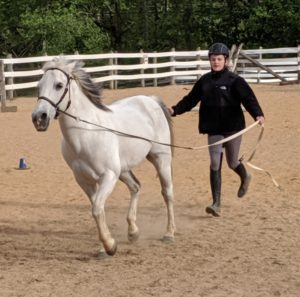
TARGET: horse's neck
(80,103)
(81,108)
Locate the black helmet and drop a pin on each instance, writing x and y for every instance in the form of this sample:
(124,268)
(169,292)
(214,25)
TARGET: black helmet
(218,49)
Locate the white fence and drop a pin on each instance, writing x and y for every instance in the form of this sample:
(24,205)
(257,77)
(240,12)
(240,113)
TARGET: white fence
(283,61)
(153,68)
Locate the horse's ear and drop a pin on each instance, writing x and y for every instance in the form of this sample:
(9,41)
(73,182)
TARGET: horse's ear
(73,66)
(70,66)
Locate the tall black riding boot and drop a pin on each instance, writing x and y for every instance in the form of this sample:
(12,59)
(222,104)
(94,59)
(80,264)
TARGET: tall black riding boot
(245,179)
(215,183)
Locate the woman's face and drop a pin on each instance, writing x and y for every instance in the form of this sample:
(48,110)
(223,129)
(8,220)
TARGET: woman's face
(217,62)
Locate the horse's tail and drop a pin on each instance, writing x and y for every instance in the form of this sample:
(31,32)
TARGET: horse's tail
(169,119)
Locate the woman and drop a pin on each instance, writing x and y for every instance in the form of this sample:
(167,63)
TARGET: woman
(221,94)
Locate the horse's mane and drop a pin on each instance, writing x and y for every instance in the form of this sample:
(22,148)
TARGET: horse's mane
(90,89)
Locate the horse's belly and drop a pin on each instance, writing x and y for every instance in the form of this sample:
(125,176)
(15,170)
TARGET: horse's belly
(133,153)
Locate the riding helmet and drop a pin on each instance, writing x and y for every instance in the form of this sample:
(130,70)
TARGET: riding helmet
(218,49)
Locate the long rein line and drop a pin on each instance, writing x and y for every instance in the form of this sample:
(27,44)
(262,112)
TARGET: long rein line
(67,88)
(120,133)
(58,110)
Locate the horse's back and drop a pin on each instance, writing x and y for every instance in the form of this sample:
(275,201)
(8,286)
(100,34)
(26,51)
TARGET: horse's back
(136,104)
(145,117)
(140,111)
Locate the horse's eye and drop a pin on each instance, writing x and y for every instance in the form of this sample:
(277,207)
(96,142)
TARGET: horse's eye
(58,86)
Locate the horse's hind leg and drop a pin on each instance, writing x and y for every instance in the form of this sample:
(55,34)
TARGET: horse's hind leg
(134,187)
(162,163)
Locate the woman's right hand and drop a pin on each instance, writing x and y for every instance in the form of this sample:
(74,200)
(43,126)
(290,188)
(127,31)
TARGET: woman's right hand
(171,111)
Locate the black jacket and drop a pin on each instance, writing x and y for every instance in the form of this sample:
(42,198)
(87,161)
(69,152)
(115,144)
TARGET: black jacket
(221,95)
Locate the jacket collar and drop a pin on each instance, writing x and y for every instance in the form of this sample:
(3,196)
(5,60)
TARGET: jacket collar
(217,74)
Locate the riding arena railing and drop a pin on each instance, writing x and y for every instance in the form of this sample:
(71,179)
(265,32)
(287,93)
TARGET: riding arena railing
(118,70)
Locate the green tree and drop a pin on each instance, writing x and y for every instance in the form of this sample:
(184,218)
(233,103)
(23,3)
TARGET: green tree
(273,23)
(48,26)
(30,27)
(57,29)
(10,41)
(111,16)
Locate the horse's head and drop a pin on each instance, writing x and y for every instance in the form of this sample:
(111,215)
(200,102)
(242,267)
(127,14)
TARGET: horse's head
(53,89)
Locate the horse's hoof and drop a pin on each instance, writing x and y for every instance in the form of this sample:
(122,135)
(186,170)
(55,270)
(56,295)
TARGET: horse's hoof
(132,237)
(113,249)
(168,239)
(102,255)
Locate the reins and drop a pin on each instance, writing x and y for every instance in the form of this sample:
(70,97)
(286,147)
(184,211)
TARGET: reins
(120,133)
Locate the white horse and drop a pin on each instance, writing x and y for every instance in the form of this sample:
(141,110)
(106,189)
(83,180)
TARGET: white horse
(100,144)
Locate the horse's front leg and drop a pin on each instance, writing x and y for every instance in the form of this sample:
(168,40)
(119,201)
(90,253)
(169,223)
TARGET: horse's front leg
(106,185)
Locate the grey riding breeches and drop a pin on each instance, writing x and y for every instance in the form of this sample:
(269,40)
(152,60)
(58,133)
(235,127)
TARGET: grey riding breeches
(232,149)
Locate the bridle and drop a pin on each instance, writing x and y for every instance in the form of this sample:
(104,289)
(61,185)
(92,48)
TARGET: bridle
(67,88)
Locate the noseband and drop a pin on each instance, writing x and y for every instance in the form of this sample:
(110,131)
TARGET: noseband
(67,88)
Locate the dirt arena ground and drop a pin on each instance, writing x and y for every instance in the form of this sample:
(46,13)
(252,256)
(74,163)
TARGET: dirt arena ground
(48,240)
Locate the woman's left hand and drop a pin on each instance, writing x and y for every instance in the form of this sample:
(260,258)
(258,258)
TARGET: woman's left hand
(261,119)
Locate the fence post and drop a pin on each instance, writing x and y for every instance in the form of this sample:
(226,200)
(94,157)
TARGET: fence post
(142,61)
(10,80)
(198,57)
(111,72)
(231,56)
(172,59)
(259,69)
(4,108)
(2,86)
(154,61)
(116,73)
(298,64)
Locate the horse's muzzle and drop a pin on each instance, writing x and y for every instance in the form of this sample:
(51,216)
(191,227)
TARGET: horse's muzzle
(40,120)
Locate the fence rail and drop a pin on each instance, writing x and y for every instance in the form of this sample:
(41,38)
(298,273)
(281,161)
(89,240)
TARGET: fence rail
(153,68)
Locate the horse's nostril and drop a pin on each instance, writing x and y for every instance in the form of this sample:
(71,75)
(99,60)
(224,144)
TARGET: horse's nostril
(43,116)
